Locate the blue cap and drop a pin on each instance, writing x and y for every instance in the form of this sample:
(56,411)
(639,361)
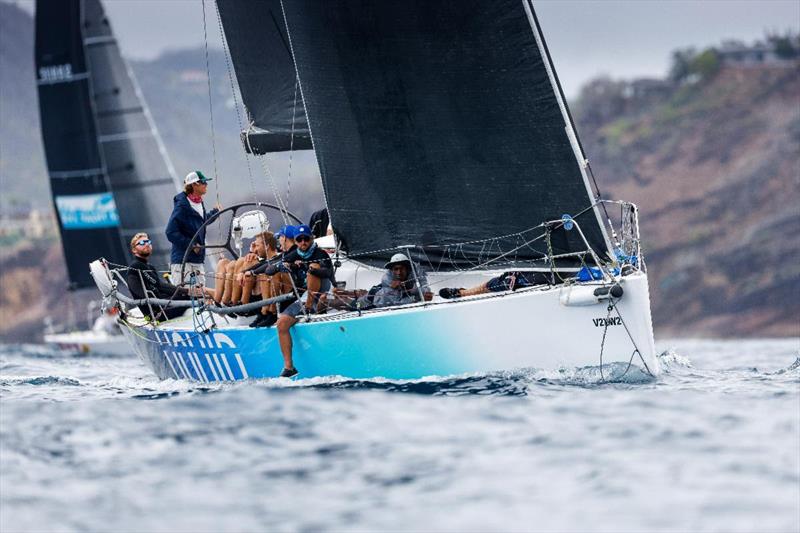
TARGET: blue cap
(302,230)
(287,231)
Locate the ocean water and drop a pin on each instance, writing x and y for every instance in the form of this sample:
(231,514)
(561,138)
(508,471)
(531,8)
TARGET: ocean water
(98,444)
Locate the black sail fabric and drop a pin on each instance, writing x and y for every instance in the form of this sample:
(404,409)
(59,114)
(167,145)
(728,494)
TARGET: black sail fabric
(435,123)
(85,207)
(108,177)
(142,181)
(256,36)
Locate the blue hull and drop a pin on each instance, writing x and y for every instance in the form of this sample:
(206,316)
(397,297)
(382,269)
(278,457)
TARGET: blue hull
(381,348)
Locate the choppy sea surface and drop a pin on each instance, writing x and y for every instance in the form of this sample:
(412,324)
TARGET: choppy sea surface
(99,444)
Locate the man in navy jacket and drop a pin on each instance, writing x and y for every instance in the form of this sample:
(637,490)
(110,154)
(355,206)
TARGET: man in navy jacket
(188,215)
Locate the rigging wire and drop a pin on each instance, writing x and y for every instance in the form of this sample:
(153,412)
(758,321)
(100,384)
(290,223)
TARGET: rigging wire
(291,142)
(612,306)
(273,185)
(210,102)
(231,76)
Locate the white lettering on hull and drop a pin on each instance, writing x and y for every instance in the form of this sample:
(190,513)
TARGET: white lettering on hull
(196,359)
(227,366)
(241,365)
(171,366)
(187,364)
(219,367)
(211,366)
(182,363)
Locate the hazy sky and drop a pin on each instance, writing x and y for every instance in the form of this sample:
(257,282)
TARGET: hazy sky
(621,38)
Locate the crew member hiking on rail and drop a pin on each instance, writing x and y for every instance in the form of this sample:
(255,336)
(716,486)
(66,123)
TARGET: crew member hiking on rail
(508,281)
(188,215)
(272,285)
(233,284)
(311,269)
(144,282)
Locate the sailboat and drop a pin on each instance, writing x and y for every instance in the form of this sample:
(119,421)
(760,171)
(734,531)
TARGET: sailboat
(441,131)
(110,175)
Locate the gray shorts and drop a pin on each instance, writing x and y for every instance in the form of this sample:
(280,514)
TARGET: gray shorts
(296,308)
(198,269)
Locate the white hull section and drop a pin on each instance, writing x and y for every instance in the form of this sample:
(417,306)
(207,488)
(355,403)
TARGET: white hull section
(546,328)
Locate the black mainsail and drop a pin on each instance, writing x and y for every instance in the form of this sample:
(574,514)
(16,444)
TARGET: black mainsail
(266,76)
(440,124)
(109,174)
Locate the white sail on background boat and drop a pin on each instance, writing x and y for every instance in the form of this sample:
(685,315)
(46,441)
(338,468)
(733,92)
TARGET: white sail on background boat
(441,131)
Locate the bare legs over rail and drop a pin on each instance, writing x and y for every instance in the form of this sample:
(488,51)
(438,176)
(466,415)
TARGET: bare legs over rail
(232,286)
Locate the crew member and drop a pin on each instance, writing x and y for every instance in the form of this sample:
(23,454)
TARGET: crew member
(311,270)
(188,216)
(144,282)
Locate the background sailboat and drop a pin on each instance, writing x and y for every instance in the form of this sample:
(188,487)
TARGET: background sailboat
(440,130)
(110,175)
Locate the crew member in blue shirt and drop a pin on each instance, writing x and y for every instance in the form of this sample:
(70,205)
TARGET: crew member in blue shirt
(188,215)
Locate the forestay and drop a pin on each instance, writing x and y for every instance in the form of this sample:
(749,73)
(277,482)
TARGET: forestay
(108,172)
(256,36)
(436,123)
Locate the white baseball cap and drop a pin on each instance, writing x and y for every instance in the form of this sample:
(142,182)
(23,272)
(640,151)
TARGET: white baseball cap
(195,176)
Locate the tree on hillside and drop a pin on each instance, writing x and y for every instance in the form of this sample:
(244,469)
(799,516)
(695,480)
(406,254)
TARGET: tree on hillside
(681,61)
(786,46)
(687,64)
(705,64)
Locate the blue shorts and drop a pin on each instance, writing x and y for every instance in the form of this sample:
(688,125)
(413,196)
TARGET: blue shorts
(523,279)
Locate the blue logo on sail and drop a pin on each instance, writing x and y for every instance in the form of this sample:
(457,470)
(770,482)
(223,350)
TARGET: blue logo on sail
(87,211)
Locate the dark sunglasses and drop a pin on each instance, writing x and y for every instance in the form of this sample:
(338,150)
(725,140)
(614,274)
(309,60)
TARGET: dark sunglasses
(143,242)
(302,238)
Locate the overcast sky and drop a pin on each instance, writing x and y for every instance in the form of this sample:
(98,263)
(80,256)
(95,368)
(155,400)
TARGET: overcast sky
(621,38)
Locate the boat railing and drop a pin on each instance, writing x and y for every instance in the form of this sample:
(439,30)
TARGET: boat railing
(623,233)
(624,239)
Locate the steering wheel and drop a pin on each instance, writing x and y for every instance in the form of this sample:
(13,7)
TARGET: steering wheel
(227,244)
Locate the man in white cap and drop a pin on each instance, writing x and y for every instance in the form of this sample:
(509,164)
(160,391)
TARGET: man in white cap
(188,216)
(399,284)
